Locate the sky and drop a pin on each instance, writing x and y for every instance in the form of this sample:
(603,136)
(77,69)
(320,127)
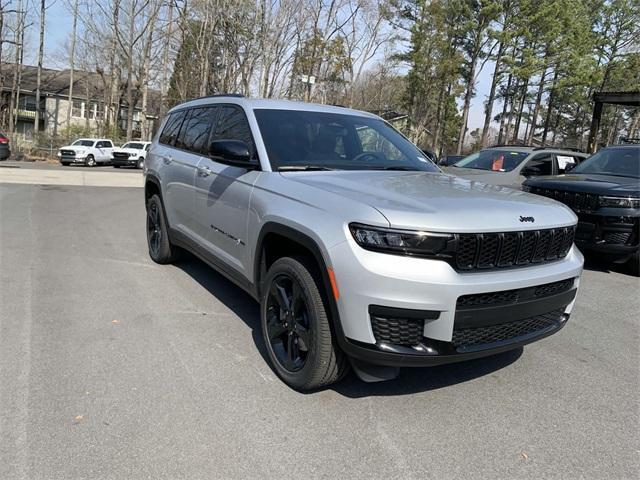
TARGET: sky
(58,28)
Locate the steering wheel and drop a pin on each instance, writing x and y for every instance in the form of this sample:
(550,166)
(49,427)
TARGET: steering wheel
(369,157)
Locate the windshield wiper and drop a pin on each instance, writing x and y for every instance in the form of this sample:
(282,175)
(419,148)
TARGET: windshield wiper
(407,169)
(303,168)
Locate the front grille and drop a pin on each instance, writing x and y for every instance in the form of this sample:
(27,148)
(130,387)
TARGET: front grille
(509,297)
(68,153)
(617,238)
(120,155)
(397,331)
(575,200)
(465,338)
(499,250)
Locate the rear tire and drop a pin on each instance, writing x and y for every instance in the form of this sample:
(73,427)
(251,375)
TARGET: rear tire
(64,164)
(295,327)
(160,248)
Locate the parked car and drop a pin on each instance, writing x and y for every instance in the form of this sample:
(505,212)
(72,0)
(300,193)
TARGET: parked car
(359,250)
(131,154)
(604,191)
(510,166)
(87,151)
(5,150)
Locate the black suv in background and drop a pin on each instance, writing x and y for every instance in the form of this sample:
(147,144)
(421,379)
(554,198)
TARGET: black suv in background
(604,191)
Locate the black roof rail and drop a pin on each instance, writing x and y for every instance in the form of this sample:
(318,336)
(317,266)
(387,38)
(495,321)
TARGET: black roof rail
(218,95)
(568,149)
(510,145)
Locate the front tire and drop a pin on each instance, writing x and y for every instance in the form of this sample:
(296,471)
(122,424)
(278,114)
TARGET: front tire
(140,163)
(160,248)
(295,327)
(90,161)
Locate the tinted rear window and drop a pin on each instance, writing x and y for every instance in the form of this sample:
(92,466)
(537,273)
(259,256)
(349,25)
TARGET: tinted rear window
(172,127)
(195,131)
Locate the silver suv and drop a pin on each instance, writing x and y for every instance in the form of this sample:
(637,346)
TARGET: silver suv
(509,166)
(360,250)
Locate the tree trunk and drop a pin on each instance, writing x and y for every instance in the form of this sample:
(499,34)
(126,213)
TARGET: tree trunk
(130,106)
(552,94)
(467,104)
(164,88)
(17,67)
(36,126)
(523,98)
(72,54)
(505,105)
(536,109)
(488,109)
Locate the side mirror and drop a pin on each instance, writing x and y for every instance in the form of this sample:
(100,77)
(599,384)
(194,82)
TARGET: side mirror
(443,162)
(232,152)
(530,171)
(568,167)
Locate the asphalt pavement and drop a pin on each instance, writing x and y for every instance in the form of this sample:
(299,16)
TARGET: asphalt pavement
(113,367)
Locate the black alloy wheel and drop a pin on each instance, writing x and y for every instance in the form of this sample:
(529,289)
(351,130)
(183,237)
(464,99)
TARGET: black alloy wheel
(288,326)
(154,229)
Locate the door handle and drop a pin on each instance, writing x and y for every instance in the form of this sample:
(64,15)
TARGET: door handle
(204,171)
(167,160)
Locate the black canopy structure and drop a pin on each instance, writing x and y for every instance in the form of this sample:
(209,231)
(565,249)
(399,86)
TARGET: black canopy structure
(629,99)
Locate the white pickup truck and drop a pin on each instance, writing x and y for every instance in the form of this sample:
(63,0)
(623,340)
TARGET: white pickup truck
(87,151)
(131,154)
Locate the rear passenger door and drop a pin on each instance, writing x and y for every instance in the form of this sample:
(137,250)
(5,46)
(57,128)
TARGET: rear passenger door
(223,193)
(177,171)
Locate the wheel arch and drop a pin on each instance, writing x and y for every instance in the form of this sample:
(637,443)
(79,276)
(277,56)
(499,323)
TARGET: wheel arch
(276,239)
(151,187)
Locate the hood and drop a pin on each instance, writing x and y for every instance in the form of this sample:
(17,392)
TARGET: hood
(75,148)
(485,176)
(126,150)
(589,183)
(438,202)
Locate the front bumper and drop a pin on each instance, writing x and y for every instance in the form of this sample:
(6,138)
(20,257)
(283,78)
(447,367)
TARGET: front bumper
(612,231)
(72,159)
(125,162)
(367,279)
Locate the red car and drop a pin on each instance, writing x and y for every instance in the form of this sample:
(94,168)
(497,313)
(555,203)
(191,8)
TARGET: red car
(5,151)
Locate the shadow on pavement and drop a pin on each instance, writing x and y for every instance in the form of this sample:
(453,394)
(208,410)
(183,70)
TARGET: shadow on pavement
(599,264)
(411,380)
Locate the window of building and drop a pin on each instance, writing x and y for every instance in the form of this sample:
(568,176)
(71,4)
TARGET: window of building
(77,109)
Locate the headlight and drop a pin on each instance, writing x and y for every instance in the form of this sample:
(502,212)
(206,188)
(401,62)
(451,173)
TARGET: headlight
(132,154)
(619,202)
(401,242)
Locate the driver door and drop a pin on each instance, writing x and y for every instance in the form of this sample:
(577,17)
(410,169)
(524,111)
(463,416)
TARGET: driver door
(223,193)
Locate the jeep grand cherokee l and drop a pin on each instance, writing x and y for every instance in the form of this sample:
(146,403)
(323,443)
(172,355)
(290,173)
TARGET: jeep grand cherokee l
(604,192)
(360,251)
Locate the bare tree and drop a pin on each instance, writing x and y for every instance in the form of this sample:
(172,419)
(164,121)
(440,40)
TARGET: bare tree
(36,126)
(72,53)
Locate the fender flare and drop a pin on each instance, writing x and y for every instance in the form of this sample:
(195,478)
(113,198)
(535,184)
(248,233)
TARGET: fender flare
(311,245)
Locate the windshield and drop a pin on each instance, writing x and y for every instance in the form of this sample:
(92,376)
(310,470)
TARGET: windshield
(134,145)
(303,140)
(83,143)
(624,162)
(493,160)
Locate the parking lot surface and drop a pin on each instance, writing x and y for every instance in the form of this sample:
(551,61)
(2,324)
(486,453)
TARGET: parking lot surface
(114,367)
